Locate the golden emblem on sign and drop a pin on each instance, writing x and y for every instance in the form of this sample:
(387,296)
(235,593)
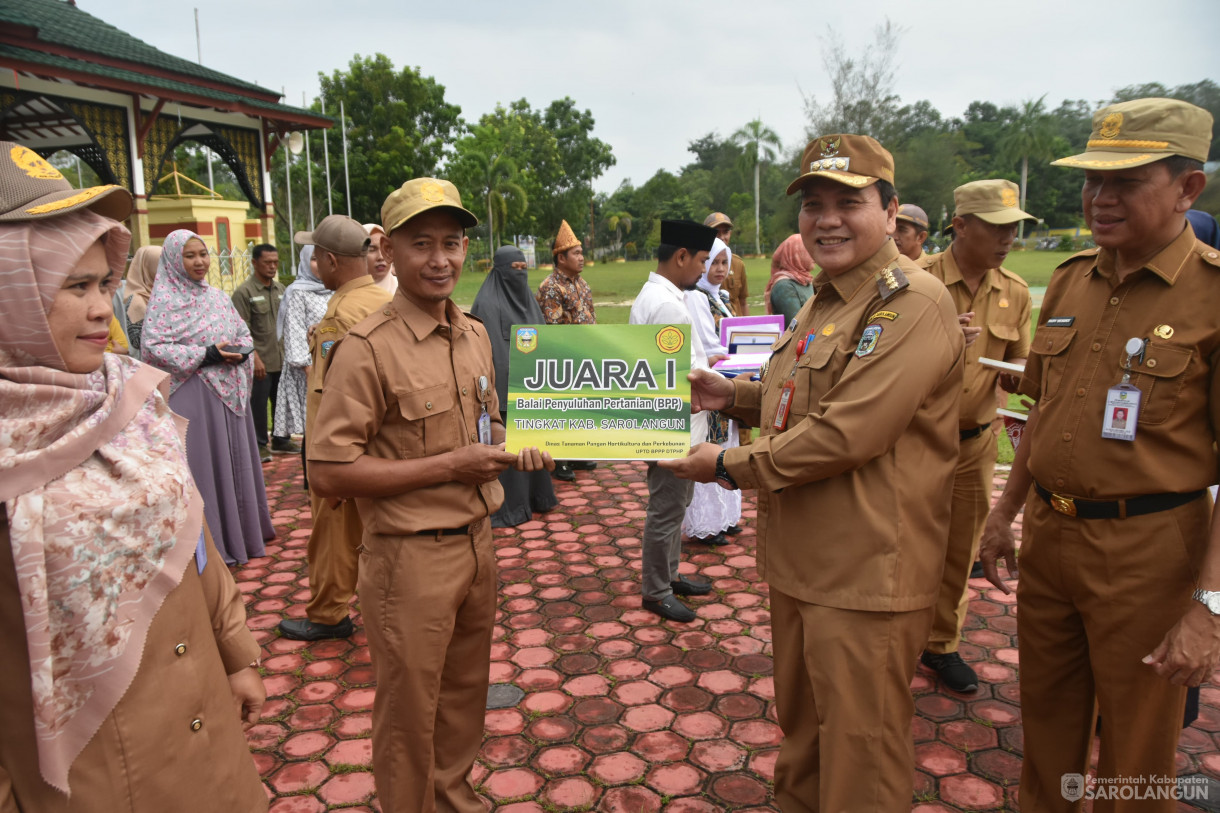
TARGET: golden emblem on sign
(34,164)
(670,340)
(830,146)
(1163,331)
(1110,125)
(1008,198)
(432,192)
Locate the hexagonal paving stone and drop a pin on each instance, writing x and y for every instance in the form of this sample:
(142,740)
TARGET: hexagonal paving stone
(561,760)
(677,779)
(661,746)
(718,756)
(512,783)
(617,769)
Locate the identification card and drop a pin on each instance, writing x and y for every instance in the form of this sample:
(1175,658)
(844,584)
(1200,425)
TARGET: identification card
(1122,412)
(785,403)
(484,427)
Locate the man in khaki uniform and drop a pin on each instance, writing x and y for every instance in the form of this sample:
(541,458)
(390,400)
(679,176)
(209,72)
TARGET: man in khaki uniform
(858,409)
(340,245)
(911,231)
(1118,532)
(735,283)
(995,303)
(410,427)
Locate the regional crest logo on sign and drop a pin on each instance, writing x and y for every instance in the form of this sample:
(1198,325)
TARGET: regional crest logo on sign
(527,339)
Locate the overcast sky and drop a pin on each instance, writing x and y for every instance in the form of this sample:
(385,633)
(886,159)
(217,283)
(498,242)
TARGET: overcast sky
(657,74)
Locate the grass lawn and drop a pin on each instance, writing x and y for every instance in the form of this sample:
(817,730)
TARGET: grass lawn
(615,285)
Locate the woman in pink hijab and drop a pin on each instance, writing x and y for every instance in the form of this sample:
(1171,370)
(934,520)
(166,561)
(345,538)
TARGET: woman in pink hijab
(791,280)
(125,645)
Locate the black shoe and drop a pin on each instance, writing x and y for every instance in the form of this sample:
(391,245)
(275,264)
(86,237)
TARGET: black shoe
(669,607)
(583,465)
(713,541)
(732,530)
(976,572)
(563,471)
(284,446)
(952,670)
(302,629)
(685,587)
(264,454)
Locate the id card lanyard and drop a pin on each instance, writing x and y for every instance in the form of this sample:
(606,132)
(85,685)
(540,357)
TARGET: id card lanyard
(785,397)
(484,418)
(1123,400)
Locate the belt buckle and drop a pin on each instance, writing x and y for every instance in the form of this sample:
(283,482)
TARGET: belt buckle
(1064,505)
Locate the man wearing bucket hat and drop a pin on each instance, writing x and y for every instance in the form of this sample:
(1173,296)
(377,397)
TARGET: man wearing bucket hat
(340,245)
(1120,569)
(735,282)
(911,231)
(995,306)
(858,410)
(410,427)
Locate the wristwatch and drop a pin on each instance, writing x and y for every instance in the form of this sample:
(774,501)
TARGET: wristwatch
(724,478)
(1208,598)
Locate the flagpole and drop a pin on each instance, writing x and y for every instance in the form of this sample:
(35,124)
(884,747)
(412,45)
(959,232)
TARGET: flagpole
(308,170)
(347,179)
(330,210)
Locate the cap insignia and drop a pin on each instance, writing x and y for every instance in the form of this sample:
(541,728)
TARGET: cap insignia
(830,146)
(1110,125)
(1008,198)
(432,192)
(34,164)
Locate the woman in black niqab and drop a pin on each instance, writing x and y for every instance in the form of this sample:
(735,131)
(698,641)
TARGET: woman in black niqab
(506,300)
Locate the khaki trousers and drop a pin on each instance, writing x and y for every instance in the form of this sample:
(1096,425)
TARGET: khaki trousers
(333,558)
(843,695)
(972,485)
(1095,597)
(428,603)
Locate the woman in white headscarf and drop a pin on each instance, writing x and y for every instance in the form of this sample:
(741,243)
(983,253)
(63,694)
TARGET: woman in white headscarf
(380,269)
(713,511)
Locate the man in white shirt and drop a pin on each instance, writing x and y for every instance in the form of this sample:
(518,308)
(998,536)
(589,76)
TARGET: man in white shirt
(680,257)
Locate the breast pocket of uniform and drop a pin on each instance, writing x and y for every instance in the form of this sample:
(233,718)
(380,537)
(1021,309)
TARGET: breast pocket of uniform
(1161,378)
(999,337)
(430,421)
(1051,345)
(260,305)
(814,374)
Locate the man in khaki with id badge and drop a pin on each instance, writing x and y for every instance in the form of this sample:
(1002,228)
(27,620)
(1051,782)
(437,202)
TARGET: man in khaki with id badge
(994,306)
(410,427)
(854,467)
(1120,564)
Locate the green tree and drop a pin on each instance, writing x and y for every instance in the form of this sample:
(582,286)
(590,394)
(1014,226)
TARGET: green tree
(620,224)
(1031,135)
(862,98)
(759,142)
(399,127)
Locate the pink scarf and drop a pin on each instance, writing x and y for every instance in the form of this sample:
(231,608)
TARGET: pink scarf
(184,317)
(790,261)
(103,515)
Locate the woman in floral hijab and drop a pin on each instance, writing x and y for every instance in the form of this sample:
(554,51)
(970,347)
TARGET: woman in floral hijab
(191,331)
(124,633)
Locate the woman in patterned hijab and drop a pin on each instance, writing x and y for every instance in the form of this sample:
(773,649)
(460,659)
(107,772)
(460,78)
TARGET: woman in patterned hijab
(112,591)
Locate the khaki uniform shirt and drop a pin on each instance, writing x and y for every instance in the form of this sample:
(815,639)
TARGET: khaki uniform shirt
(737,286)
(259,306)
(1174,303)
(350,304)
(408,387)
(853,504)
(1001,307)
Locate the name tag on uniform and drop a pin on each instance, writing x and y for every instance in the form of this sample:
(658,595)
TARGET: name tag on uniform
(785,404)
(1060,321)
(259,298)
(1122,412)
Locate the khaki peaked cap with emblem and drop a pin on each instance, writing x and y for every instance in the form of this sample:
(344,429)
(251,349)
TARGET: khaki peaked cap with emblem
(1131,134)
(717,219)
(420,195)
(992,201)
(338,234)
(853,160)
(32,189)
(914,215)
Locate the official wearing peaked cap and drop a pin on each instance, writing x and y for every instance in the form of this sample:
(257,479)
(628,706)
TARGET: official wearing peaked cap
(1119,592)
(420,195)
(877,346)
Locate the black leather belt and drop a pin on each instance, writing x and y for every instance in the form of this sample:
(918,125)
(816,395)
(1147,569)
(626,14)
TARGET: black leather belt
(463,531)
(970,434)
(1114,509)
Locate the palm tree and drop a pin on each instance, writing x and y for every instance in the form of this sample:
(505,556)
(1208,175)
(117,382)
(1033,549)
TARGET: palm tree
(620,222)
(500,190)
(760,143)
(1031,135)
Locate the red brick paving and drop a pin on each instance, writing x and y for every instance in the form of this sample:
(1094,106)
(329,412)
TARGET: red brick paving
(622,711)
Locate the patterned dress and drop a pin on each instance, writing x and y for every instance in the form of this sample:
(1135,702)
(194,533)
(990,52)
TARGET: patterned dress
(301,312)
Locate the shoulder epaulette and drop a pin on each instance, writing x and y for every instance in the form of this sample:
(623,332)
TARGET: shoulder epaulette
(1014,276)
(1079,255)
(890,281)
(1208,254)
(373,321)
(472,317)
